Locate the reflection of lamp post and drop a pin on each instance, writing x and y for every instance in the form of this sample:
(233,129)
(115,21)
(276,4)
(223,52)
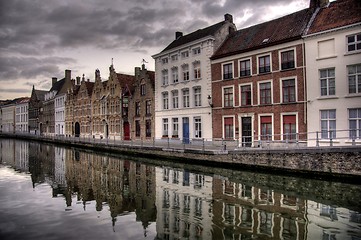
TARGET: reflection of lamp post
(210,100)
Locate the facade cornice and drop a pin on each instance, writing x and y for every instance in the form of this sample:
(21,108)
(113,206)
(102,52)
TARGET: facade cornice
(332,30)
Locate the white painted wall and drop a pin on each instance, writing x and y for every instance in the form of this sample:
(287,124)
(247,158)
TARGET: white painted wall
(59,104)
(22,117)
(329,50)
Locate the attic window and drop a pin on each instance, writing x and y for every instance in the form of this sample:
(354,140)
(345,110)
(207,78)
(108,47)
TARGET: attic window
(265,40)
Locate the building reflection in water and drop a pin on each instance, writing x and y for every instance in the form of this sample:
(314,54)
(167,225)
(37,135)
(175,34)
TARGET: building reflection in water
(182,204)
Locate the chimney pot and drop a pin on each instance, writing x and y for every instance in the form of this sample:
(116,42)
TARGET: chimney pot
(178,35)
(68,74)
(53,81)
(228,17)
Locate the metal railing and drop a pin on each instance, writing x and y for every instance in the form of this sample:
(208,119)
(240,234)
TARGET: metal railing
(221,145)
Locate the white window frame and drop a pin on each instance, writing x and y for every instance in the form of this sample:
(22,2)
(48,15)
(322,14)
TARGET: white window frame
(196,51)
(250,66)
(188,98)
(197,97)
(165,100)
(259,91)
(197,125)
(224,87)
(185,54)
(354,43)
(175,127)
(357,76)
(287,114)
(175,99)
(232,67)
(259,125)
(165,127)
(174,57)
(280,58)
(270,62)
(165,60)
(165,80)
(175,75)
(234,126)
(240,93)
(328,82)
(281,88)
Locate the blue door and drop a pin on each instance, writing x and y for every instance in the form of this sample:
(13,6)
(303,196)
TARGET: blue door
(186,130)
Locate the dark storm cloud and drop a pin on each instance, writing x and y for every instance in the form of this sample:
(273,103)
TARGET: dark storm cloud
(30,67)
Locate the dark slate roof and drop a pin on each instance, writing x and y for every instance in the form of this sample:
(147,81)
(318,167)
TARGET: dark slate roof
(337,14)
(201,33)
(125,79)
(40,94)
(89,87)
(284,29)
(58,85)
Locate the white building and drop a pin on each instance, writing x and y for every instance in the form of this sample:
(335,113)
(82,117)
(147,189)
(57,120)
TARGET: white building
(59,105)
(8,117)
(22,116)
(333,62)
(183,83)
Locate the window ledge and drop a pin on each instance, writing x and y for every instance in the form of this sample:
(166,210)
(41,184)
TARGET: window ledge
(324,58)
(353,95)
(352,52)
(327,97)
(288,69)
(265,73)
(227,79)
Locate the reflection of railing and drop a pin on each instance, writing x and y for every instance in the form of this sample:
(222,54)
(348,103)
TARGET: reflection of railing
(350,137)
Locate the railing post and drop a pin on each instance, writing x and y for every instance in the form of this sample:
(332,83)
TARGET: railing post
(203,144)
(153,141)
(353,140)
(168,141)
(331,140)
(297,139)
(317,140)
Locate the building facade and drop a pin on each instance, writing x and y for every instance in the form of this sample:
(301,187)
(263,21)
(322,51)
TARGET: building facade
(141,105)
(22,116)
(183,83)
(258,83)
(333,56)
(35,107)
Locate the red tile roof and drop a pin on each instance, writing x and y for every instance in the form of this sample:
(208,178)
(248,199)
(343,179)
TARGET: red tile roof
(284,29)
(337,14)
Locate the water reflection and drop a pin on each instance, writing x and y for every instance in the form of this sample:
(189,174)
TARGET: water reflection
(187,204)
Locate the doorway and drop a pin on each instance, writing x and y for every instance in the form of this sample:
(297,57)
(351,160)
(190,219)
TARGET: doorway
(246,134)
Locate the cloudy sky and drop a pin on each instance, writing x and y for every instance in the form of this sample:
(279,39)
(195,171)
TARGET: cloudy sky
(40,39)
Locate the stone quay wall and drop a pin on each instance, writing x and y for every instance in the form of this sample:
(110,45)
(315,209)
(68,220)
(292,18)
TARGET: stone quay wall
(329,162)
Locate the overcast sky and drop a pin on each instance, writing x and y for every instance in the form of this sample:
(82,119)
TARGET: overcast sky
(40,39)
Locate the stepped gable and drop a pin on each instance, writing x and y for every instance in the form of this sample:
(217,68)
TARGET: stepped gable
(284,29)
(201,33)
(336,14)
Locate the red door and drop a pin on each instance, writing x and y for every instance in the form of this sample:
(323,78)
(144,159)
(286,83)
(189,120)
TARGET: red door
(126,131)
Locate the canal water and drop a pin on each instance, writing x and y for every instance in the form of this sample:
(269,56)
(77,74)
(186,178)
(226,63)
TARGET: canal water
(52,192)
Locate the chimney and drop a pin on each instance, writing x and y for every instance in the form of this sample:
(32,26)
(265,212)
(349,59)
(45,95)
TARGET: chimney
(137,71)
(53,81)
(318,3)
(228,18)
(68,74)
(77,80)
(178,35)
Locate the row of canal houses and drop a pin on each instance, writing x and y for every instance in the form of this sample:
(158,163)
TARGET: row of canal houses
(297,77)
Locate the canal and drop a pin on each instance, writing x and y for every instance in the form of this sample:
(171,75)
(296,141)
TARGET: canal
(52,192)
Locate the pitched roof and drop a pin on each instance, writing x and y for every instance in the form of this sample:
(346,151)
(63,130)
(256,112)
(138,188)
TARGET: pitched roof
(58,85)
(89,87)
(40,94)
(201,33)
(336,14)
(125,79)
(284,29)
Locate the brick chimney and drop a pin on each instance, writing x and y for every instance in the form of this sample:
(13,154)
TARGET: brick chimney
(77,80)
(178,35)
(53,81)
(318,3)
(68,74)
(228,18)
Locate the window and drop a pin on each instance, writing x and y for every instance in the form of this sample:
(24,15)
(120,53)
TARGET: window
(288,91)
(148,107)
(266,127)
(354,119)
(197,127)
(174,57)
(137,128)
(142,89)
(228,71)
(245,68)
(246,95)
(196,51)
(197,70)
(264,64)
(197,97)
(328,124)
(287,60)
(165,77)
(265,91)
(164,60)
(327,79)
(354,78)
(137,109)
(354,42)
(175,98)
(175,128)
(185,69)
(185,54)
(289,127)
(228,128)
(186,97)
(228,97)
(148,128)
(165,127)
(175,74)
(165,100)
